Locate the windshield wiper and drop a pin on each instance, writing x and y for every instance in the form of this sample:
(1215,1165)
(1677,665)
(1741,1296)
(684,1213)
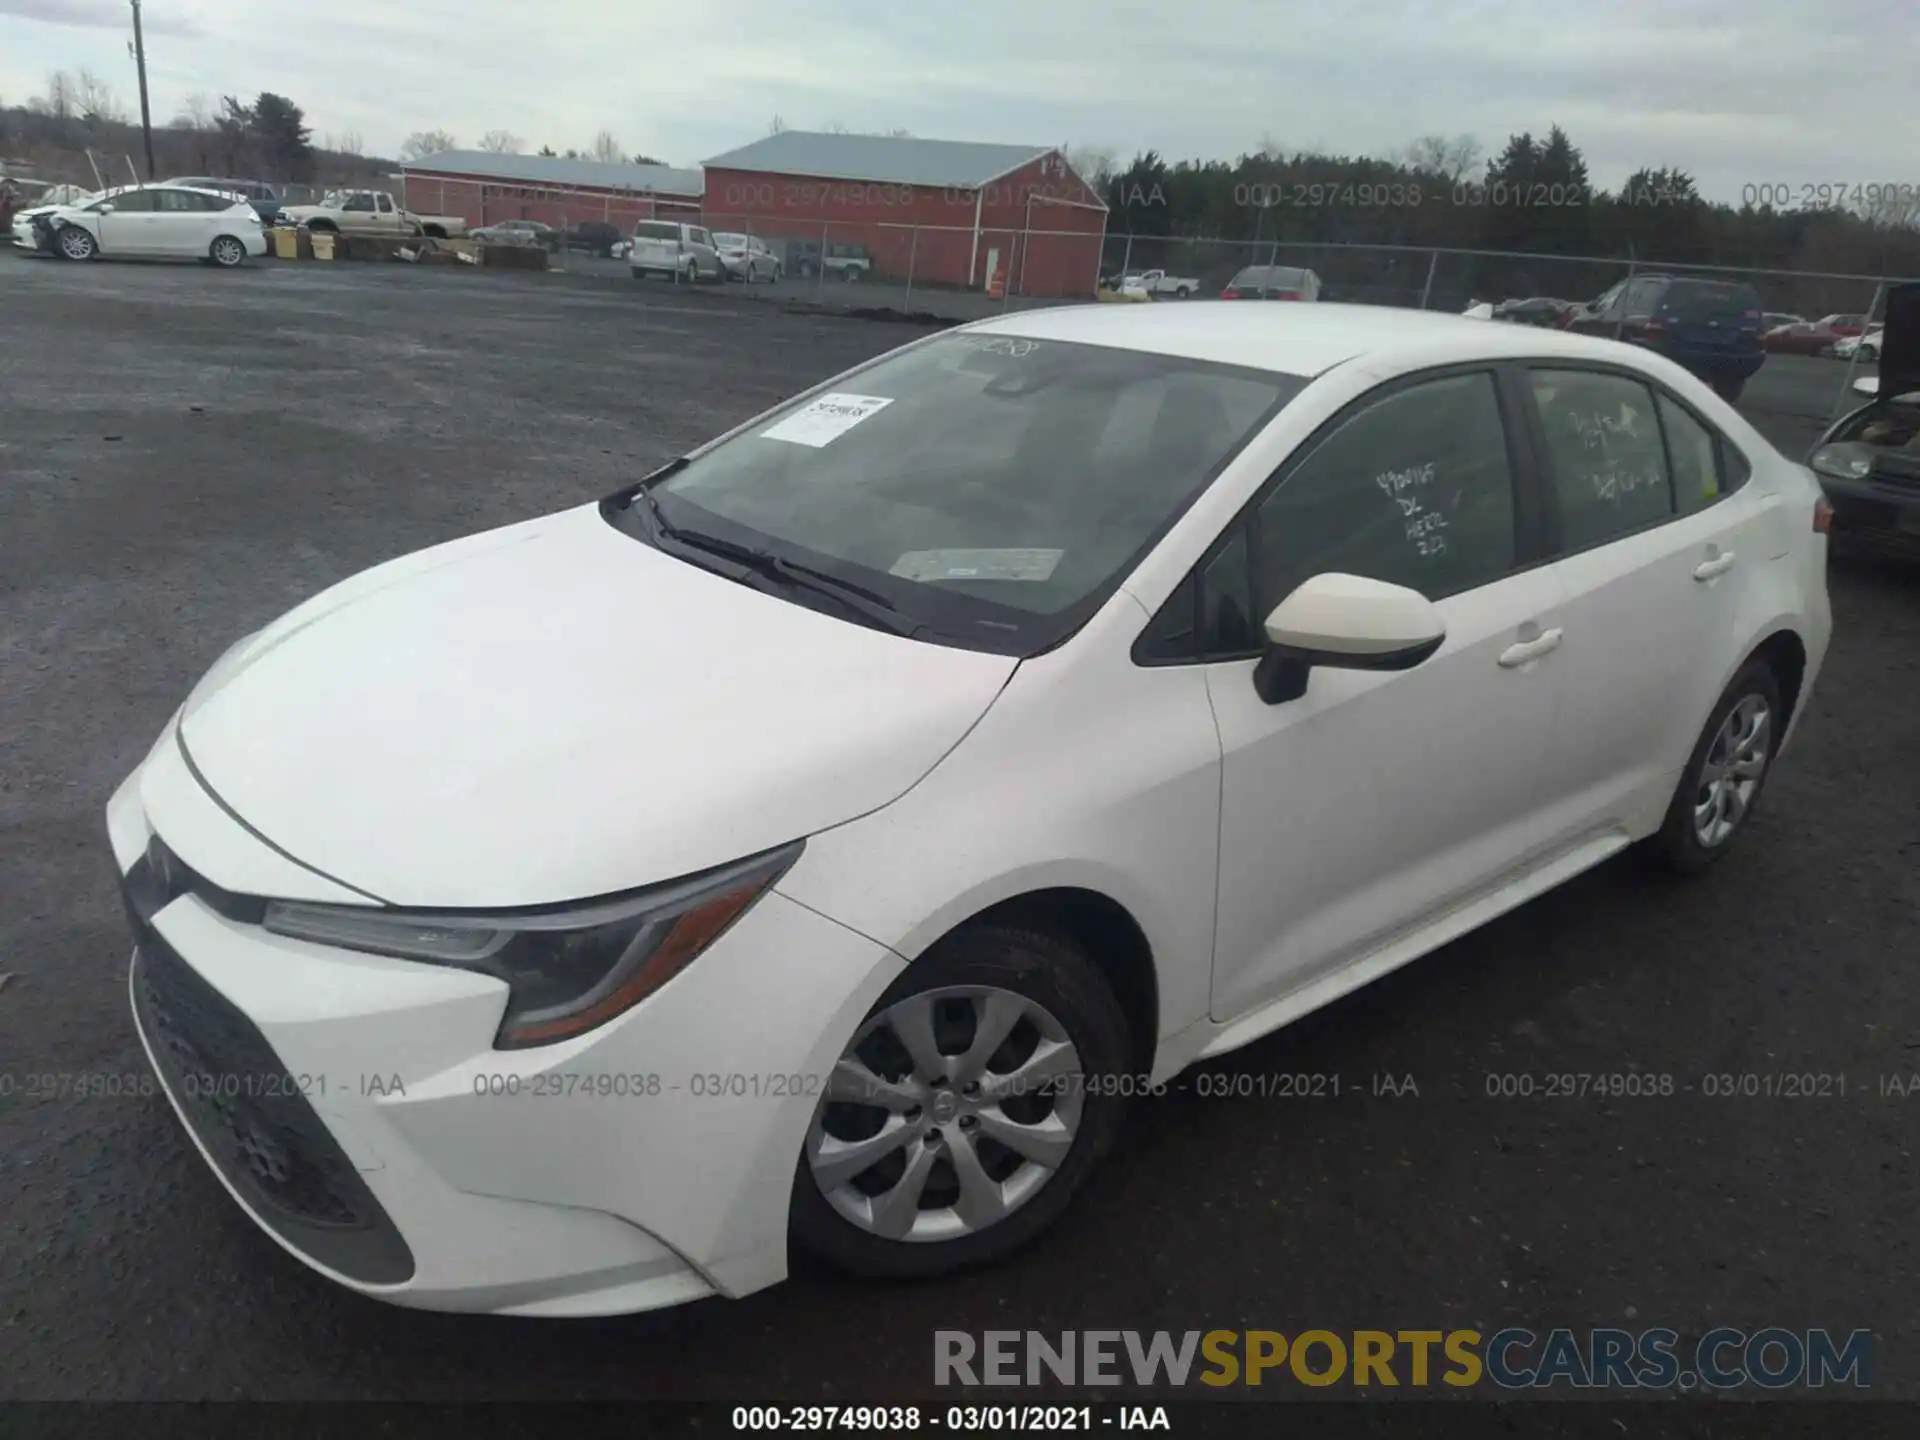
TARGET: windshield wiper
(870,605)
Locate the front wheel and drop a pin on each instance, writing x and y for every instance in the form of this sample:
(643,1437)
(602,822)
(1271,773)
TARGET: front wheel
(1725,773)
(228,252)
(1729,390)
(76,244)
(968,1108)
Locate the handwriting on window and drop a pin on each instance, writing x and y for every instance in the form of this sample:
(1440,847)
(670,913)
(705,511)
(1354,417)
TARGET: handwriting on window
(1622,450)
(1426,529)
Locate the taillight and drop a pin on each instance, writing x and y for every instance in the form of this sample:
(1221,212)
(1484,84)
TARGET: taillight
(1822,516)
(1288,295)
(1229,294)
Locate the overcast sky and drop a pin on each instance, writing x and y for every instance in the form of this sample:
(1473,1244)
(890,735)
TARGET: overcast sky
(1738,92)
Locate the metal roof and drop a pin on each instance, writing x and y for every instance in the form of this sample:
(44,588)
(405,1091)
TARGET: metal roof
(885,158)
(553,170)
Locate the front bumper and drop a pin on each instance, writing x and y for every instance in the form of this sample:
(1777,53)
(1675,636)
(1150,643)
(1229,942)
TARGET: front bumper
(29,233)
(354,1107)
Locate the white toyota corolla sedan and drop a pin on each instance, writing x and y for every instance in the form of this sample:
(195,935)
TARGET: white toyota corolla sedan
(819,842)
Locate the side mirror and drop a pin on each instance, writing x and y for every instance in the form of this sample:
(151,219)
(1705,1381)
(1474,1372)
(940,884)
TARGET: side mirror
(1344,622)
(106,209)
(1867,385)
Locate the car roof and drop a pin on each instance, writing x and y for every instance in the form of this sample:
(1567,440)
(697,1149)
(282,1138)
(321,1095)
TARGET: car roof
(1301,339)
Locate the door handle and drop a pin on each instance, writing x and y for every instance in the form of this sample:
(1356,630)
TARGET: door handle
(1516,655)
(1714,568)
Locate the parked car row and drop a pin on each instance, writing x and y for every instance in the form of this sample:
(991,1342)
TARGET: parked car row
(689,253)
(1712,328)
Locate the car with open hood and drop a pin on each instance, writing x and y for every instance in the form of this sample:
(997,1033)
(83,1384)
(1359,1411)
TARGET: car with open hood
(1868,461)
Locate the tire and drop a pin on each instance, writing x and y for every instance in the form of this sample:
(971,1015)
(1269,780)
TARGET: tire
(1182,293)
(1680,845)
(637,274)
(1729,390)
(227,252)
(73,243)
(1053,986)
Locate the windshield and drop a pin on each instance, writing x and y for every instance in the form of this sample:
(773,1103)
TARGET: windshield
(994,489)
(734,241)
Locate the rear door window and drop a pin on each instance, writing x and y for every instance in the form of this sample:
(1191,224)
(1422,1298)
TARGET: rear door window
(1693,454)
(1604,453)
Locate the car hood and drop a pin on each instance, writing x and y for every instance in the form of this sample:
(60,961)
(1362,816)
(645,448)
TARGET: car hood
(556,710)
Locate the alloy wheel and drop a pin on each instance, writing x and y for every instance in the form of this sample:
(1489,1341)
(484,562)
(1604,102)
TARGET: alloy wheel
(949,1111)
(228,251)
(1731,772)
(76,244)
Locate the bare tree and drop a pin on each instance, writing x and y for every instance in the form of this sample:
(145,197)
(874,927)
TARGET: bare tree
(349,143)
(426,142)
(59,100)
(195,113)
(1094,164)
(502,142)
(1895,205)
(1456,158)
(776,125)
(95,100)
(607,150)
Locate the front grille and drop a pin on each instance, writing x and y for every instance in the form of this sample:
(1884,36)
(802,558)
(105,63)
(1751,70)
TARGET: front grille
(254,1119)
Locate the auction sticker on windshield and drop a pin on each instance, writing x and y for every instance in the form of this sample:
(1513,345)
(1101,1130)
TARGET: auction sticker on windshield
(1024,564)
(825,420)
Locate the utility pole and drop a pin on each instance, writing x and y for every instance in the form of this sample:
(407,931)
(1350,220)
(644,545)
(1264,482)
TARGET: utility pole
(140,59)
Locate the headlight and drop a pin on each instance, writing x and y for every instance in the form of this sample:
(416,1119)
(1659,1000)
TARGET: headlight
(569,969)
(1844,460)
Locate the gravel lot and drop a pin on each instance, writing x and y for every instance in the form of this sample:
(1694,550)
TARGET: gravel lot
(185,454)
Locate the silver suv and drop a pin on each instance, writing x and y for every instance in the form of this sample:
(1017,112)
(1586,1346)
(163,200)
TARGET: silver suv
(674,251)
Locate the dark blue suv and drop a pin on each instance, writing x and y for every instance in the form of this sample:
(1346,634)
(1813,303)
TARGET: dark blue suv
(1709,327)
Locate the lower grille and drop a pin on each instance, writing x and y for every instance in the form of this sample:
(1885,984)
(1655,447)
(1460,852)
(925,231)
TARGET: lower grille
(253,1118)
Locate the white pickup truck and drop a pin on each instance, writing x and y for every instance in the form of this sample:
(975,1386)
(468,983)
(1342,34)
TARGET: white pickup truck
(370,212)
(1158,282)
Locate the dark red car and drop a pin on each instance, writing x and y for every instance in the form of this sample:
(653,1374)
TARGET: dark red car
(1813,337)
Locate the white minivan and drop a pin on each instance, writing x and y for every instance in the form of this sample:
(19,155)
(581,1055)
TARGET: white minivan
(675,251)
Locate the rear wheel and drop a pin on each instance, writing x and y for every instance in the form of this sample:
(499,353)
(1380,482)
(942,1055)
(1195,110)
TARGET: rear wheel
(1725,773)
(76,244)
(227,252)
(967,1109)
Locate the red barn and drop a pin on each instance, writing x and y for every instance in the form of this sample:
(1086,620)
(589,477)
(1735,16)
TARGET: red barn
(943,212)
(487,188)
